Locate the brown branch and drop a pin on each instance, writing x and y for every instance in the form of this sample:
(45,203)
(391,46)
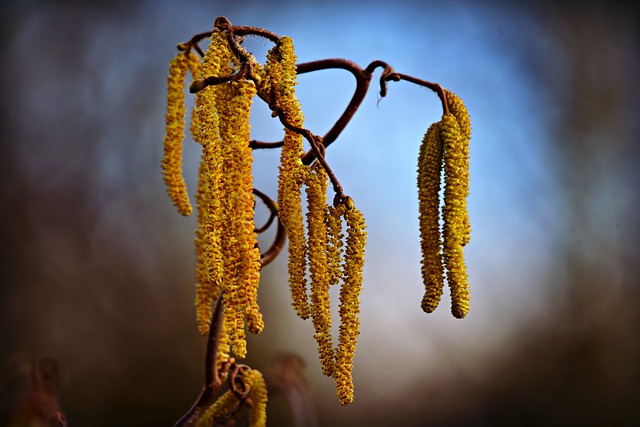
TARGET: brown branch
(316,143)
(254,144)
(212,375)
(433,86)
(363,79)
(224,24)
(193,43)
(236,382)
(197,85)
(281,237)
(273,210)
(276,247)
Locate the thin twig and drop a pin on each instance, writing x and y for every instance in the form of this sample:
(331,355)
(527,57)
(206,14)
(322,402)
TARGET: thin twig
(280,238)
(212,376)
(433,86)
(254,144)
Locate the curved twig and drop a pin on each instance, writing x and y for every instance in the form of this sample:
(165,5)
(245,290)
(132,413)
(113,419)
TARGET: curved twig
(278,242)
(236,382)
(363,79)
(273,210)
(276,247)
(393,76)
(212,375)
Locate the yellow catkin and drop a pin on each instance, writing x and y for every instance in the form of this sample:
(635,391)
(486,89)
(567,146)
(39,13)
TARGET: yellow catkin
(459,111)
(279,83)
(175,116)
(226,242)
(454,214)
(222,407)
(429,178)
(333,220)
(317,182)
(258,395)
(350,302)
(209,272)
(239,241)
(193,63)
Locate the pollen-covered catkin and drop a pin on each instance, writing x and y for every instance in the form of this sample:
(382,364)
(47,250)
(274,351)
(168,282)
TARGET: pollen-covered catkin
(350,301)
(280,81)
(193,63)
(222,407)
(209,267)
(317,259)
(258,395)
(175,117)
(239,241)
(454,214)
(429,178)
(459,111)
(333,220)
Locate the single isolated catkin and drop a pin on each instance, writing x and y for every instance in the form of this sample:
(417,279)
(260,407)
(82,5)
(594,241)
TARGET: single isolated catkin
(174,136)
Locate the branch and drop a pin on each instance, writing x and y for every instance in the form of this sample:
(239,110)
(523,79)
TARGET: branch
(212,376)
(281,237)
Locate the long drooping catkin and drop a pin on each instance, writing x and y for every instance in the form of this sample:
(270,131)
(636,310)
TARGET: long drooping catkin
(280,70)
(459,111)
(239,241)
(206,131)
(445,152)
(454,213)
(175,117)
(356,240)
(318,266)
(429,178)
(226,242)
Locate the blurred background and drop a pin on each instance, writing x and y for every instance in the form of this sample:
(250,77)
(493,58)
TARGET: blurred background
(97,268)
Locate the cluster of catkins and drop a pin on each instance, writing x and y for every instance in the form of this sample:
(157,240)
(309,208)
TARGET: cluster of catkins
(325,249)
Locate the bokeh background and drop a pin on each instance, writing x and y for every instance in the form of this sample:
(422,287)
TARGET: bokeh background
(96,269)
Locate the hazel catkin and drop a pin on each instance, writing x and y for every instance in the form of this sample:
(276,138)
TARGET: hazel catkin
(429,178)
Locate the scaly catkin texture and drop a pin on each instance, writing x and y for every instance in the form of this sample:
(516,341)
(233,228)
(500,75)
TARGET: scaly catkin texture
(459,111)
(280,70)
(222,407)
(239,242)
(350,302)
(209,272)
(317,259)
(258,395)
(193,63)
(226,242)
(445,151)
(454,214)
(429,178)
(172,161)
(333,220)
